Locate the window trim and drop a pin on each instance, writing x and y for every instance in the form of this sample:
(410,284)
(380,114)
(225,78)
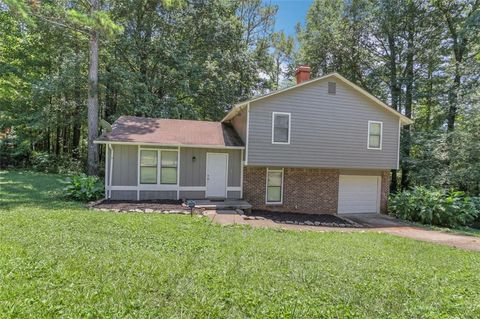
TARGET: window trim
(140,167)
(289,127)
(381,136)
(159,165)
(162,167)
(281,170)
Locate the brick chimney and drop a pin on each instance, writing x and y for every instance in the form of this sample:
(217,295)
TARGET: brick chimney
(302,73)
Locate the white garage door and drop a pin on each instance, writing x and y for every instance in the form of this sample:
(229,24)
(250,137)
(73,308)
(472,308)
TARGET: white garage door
(358,194)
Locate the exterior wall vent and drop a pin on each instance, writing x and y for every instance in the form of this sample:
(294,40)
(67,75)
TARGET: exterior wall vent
(332,88)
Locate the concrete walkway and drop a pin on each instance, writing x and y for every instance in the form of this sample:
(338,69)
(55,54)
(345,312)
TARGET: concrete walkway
(370,222)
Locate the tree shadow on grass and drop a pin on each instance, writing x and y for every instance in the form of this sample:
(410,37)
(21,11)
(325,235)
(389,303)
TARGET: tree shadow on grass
(27,188)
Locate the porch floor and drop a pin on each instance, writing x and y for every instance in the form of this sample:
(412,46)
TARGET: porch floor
(222,204)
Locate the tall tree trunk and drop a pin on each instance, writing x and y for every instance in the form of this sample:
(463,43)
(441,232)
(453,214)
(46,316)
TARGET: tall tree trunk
(57,141)
(428,116)
(65,140)
(395,93)
(92,156)
(408,96)
(77,114)
(110,98)
(48,140)
(452,99)
(77,125)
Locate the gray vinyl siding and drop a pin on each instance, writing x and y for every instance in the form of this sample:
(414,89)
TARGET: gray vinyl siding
(192,194)
(239,123)
(125,159)
(327,130)
(151,195)
(124,195)
(193,172)
(201,195)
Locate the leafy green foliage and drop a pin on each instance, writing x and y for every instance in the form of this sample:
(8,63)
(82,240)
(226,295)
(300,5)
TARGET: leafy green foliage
(451,160)
(62,260)
(168,58)
(14,151)
(50,163)
(435,207)
(83,188)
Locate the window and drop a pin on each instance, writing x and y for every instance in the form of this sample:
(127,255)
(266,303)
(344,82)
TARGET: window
(158,166)
(375,135)
(280,128)
(148,166)
(168,171)
(274,186)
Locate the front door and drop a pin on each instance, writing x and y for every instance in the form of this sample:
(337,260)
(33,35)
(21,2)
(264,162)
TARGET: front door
(217,166)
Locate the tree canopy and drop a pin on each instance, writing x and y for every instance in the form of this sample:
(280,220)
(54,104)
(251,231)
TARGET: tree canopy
(194,59)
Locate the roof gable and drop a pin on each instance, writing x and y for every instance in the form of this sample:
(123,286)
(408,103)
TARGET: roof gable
(237,107)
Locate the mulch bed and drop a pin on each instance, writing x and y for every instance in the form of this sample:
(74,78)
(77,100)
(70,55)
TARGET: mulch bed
(151,206)
(325,220)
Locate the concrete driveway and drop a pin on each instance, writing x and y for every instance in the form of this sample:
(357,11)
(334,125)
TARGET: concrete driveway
(367,222)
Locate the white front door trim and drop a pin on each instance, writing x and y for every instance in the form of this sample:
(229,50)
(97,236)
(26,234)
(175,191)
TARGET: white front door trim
(216,187)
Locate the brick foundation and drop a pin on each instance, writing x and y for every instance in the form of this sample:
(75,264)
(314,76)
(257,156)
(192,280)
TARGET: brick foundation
(305,190)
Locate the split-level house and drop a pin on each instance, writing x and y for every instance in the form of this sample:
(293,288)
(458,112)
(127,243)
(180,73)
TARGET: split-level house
(324,145)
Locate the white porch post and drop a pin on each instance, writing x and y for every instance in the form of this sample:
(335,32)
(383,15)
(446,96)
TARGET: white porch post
(178,173)
(110,169)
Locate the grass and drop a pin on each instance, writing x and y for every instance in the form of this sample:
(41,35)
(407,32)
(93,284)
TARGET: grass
(58,259)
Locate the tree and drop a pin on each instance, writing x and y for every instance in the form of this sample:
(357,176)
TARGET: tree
(281,58)
(81,17)
(461,18)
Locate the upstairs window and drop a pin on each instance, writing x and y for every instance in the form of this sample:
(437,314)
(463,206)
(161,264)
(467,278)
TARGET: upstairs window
(280,128)
(148,166)
(375,135)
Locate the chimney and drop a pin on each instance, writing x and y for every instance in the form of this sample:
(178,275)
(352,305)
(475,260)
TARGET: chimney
(302,73)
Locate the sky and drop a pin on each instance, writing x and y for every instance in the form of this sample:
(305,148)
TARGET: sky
(290,12)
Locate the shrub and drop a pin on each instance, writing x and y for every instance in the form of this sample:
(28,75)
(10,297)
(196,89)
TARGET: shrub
(83,188)
(44,162)
(435,207)
(50,163)
(14,152)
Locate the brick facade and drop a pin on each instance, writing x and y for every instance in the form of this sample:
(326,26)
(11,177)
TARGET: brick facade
(305,190)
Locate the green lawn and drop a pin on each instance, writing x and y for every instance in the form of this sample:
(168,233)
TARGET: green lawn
(58,259)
